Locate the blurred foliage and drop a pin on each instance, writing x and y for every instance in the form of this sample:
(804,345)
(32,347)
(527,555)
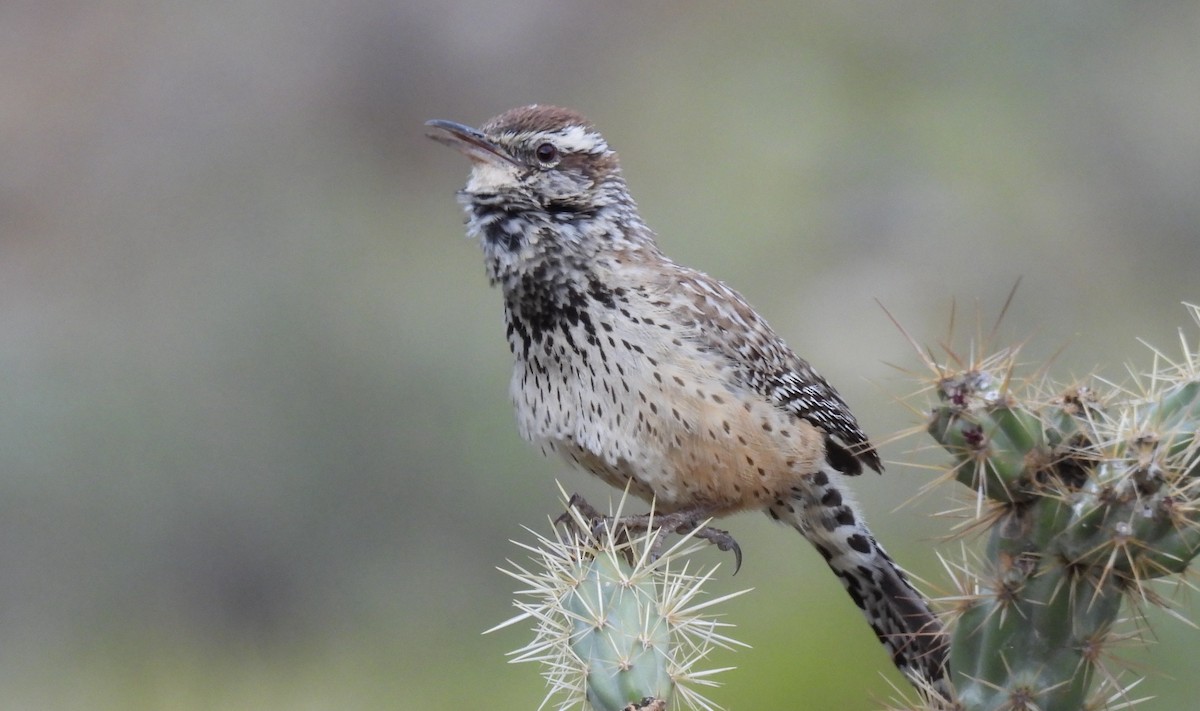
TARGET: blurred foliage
(254,431)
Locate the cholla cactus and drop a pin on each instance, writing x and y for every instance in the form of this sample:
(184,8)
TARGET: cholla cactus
(1087,493)
(618,626)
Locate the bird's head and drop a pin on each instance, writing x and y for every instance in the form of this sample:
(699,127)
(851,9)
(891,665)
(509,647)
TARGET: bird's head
(543,184)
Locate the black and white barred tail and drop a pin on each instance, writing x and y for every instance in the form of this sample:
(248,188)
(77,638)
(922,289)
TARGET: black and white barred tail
(899,615)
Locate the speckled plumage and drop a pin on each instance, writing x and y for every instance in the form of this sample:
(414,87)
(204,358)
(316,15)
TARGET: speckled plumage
(649,374)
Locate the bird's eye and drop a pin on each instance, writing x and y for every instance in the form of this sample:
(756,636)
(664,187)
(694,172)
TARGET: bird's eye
(546,153)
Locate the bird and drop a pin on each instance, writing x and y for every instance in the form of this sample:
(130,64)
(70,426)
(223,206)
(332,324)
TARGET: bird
(662,380)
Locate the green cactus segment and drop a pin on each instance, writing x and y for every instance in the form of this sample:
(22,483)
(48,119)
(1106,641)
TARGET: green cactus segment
(1089,501)
(618,621)
(619,633)
(1180,405)
(998,448)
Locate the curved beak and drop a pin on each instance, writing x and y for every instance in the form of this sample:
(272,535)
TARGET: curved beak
(469,141)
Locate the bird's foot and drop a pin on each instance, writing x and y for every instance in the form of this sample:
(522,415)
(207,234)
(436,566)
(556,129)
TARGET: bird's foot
(683,522)
(581,519)
(597,524)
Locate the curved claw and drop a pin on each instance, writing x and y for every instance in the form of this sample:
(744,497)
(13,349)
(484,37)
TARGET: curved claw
(737,555)
(724,542)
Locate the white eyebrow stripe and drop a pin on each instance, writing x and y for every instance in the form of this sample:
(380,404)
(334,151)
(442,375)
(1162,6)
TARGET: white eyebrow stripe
(579,139)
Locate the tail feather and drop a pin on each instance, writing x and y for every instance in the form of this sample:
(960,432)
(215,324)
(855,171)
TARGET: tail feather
(913,635)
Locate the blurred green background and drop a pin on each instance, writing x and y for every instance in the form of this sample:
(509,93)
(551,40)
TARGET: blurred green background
(256,449)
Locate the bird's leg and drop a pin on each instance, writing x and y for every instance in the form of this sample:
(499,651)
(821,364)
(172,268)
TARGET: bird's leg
(598,525)
(683,521)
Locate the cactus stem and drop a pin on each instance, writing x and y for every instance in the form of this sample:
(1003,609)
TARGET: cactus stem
(617,623)
(1088,493)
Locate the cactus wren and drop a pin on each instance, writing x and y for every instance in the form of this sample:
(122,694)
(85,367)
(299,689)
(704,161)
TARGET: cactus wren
(659,378)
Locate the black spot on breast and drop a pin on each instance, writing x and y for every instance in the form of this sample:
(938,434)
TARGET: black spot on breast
(540,304)
(500,225)
(519,337)
(601,293)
